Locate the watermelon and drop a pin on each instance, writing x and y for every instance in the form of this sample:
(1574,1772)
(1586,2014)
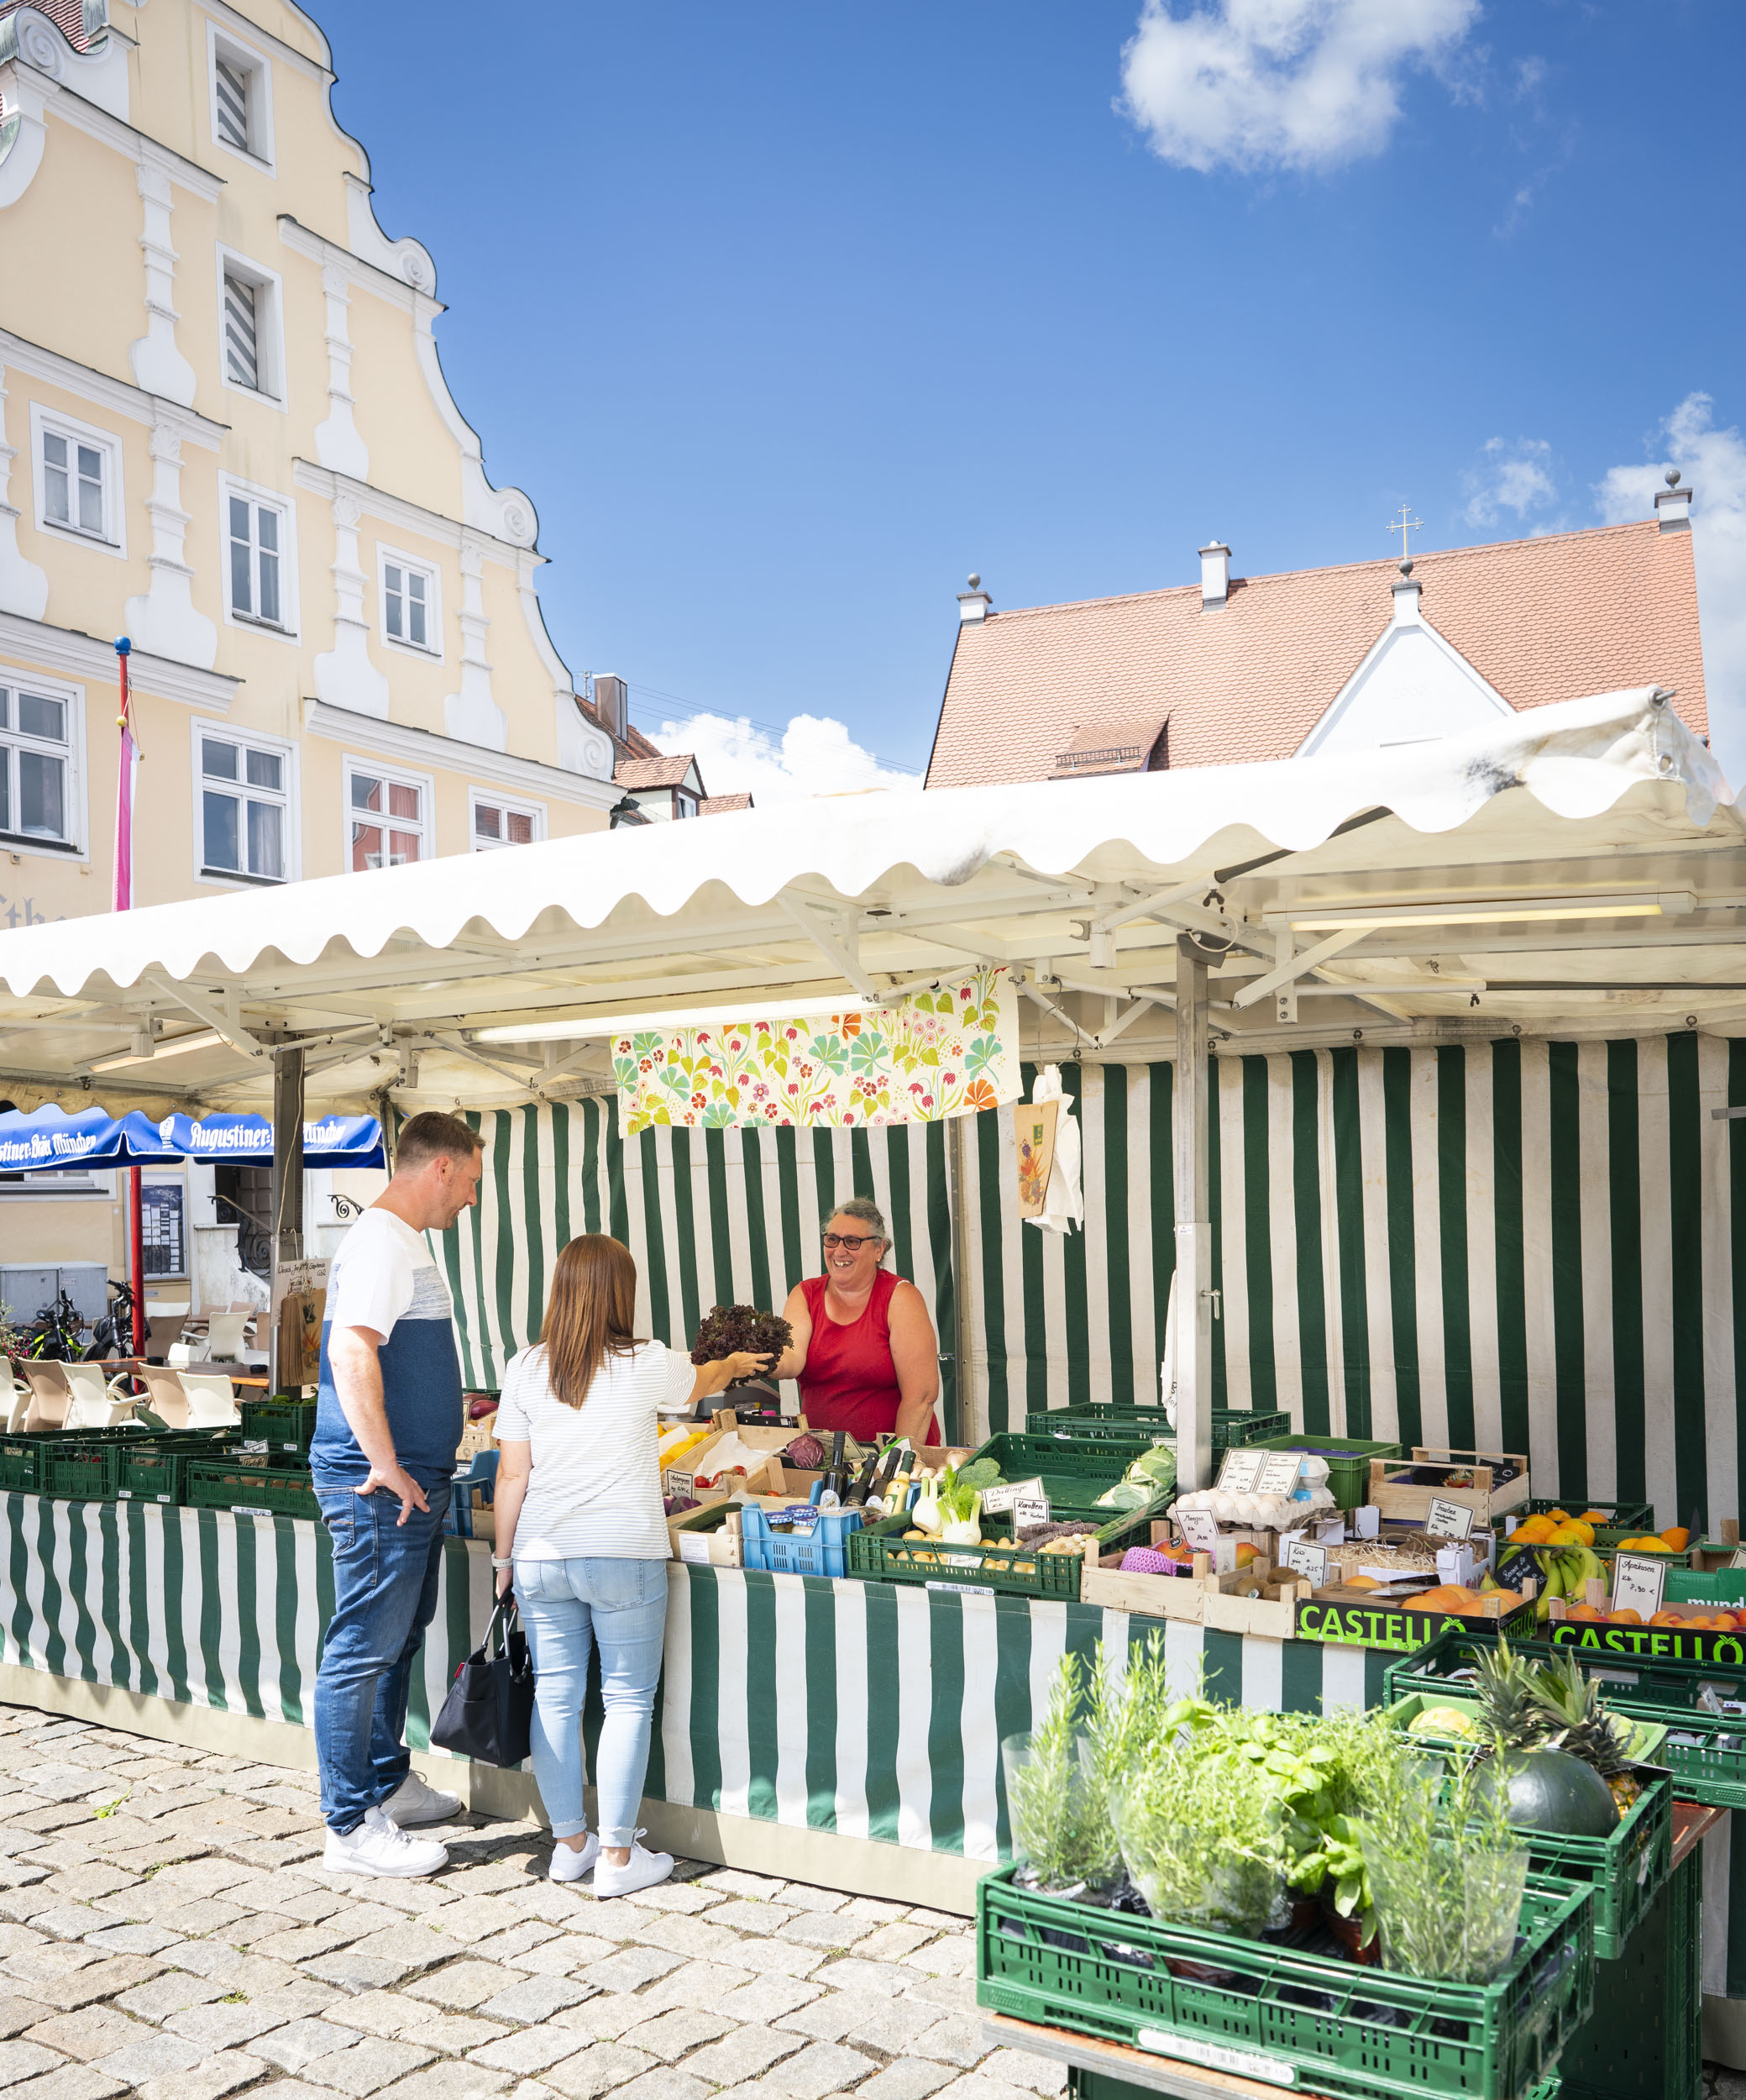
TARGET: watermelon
(1550,1790)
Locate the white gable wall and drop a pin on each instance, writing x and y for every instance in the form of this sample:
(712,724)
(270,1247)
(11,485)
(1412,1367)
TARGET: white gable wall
(1413,688)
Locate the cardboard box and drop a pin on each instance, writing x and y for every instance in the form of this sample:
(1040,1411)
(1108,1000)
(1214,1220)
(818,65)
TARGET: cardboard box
(706,1537)
(1402,1501)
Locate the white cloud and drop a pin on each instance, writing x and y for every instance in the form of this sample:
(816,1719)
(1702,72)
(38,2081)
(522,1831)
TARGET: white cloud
(1516,477)
(817,755)
(1295,84)
(1714,462)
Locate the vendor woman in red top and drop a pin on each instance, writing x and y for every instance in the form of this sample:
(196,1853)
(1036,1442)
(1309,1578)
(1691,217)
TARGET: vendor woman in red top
(864,1349)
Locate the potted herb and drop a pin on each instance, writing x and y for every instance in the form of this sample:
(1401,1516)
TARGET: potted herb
(1447,1872)
(1059,1827)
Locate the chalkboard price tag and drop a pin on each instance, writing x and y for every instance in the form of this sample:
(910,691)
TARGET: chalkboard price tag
(1200,1530)
(1241,1471)
(1448,1519)
(1637,1584)
(1310,1561)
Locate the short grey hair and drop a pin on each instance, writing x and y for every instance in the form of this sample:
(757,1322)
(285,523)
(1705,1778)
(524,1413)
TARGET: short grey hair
(862,1208)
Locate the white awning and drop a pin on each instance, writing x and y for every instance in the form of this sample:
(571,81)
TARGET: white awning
(1609,806)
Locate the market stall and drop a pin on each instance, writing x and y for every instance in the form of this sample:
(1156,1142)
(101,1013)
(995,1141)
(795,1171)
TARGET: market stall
(1371,1028)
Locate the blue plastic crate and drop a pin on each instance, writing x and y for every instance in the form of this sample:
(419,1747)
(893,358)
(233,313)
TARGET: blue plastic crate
(816,1545)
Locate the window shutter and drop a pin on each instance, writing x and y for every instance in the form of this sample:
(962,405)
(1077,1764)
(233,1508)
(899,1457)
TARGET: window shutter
(232,105)
(242,350)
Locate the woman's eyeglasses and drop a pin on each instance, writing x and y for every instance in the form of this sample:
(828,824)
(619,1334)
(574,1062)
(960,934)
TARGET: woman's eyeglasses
(834,1240)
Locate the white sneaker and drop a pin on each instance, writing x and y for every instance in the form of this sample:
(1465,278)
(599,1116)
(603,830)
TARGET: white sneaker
(379,1846)
(569,1863)
(642,1869)
(414,1802)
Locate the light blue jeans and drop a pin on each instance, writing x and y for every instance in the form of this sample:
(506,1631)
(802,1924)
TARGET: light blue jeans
(569,1607)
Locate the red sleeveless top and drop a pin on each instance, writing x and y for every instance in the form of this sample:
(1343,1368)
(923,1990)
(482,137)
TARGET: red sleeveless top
(850,1381)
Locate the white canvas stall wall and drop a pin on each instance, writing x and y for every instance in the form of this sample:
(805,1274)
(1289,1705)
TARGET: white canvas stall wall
(1527,1244)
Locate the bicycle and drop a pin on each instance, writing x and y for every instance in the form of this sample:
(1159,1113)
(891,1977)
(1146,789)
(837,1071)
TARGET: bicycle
(113,1334)
(55,1335)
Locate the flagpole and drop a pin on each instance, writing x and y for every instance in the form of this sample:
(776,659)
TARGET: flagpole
(121,899)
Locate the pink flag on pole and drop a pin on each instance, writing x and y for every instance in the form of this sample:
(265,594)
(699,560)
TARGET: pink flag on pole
(124,897)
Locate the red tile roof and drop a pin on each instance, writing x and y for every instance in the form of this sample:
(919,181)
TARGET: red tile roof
(722,805)
(1542,619)
(658,772)
(68,15)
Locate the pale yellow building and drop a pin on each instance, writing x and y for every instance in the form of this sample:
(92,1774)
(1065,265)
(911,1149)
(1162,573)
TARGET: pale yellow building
(227,435)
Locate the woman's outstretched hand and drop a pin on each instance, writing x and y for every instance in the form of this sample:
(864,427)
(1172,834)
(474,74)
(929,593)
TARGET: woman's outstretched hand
(743,1364)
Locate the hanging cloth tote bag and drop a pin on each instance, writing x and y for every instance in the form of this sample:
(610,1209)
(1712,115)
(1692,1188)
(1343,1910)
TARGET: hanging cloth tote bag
(488,1714)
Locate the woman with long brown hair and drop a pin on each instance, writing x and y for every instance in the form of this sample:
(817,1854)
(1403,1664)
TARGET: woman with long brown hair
(582,1539)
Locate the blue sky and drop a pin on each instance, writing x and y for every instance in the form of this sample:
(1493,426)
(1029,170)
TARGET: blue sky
(788,315)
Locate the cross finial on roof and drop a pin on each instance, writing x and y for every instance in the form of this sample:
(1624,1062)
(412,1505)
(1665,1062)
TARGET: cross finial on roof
(1403,524)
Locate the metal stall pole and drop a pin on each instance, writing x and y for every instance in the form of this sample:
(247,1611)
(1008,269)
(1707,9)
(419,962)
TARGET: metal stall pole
(287,1184)
(1194,1224)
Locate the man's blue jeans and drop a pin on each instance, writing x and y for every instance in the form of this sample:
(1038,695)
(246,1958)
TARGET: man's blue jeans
(384,1595)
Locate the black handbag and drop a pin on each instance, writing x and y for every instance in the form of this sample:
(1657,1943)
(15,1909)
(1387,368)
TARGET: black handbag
(488,1714)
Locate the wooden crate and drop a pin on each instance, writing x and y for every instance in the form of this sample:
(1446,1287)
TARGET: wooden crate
(1399,1502)
(1254,1600)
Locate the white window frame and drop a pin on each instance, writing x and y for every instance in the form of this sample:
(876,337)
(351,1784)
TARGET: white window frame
(249,59)
(268,328)
(77,847)
(114,540)
(431,651)
(396,775)
(290,629)
(223,878)
(511,803)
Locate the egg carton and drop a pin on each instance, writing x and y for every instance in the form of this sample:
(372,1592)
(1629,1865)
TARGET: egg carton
(1259,1512)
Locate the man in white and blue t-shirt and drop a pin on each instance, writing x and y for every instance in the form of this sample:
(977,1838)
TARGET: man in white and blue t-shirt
(386,1430)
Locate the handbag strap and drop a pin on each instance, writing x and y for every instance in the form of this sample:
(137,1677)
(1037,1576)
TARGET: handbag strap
(506,1619)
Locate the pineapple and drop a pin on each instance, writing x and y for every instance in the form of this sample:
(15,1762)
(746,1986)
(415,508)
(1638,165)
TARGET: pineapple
(1512,1713)
(1571,1704)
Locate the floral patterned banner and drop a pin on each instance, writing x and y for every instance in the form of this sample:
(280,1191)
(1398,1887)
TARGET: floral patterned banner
(951,1051)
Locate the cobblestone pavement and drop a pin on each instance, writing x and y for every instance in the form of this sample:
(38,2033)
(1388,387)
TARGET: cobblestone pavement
(166,1927)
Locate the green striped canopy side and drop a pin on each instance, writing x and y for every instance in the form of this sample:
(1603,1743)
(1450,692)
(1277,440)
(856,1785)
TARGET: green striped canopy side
(1527,1244)
(713,1217)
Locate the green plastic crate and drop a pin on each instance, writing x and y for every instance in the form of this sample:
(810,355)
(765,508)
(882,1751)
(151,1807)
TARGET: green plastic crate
(284,1423)
(1705,1751)
(878,1553)
(233,1482)
(80,1471)
(21,1464)
(155,1469)
(1628,1518)
(1074,1471)
(1120,1421)
(1348,1462)
(1250,2007)
(1645,2039)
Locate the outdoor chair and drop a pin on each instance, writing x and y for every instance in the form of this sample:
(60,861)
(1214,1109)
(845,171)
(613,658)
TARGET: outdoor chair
(481,1478)
(166,1395)
(17,1405)
(96,1403)
(51,1396)
(211,1400)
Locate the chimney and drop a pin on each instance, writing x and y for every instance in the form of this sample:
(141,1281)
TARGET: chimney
(974,605)
(612,704)
(1673,505)
(1214,575)
(1406,598)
